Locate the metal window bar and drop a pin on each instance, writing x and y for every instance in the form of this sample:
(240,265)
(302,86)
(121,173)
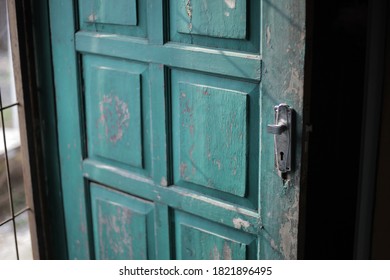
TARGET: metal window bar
(17,222)
(14,214)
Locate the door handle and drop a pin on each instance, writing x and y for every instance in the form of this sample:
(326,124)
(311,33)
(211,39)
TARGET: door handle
(282,131)
(276,128)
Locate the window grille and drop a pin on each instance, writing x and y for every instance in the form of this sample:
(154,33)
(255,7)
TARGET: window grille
(15,240)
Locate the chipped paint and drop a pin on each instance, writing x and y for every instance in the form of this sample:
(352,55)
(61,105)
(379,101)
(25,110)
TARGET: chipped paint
(183,168)
(227,252)
(295,83)
(189,14)
(92,17)
(268,36)
(273,245)
(240,223)
(164,182)
(231,3)
(215,254)
(114,117)
(220,204)
(289,230)
(218,163)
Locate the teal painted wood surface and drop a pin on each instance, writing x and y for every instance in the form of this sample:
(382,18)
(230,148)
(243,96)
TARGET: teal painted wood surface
(216,129)
(176,197)
(283,51)
(222,24)
(107,12)
(71,142)
(123,225)
(113,109)
(198,239)
(207,114)
(224,62)
(126,17)
(165,131)
(214,18)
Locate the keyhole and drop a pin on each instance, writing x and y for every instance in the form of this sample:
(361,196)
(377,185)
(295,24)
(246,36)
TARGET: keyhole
(281,156)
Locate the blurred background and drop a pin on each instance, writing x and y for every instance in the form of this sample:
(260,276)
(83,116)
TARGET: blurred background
(14,227)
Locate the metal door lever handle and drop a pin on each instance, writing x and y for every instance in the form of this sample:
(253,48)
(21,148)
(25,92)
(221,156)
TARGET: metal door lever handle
(281,129)
(276,128)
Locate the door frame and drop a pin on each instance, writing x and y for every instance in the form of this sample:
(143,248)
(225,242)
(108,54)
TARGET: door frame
(31,24)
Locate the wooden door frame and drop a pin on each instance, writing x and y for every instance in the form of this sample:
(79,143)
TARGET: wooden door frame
(36,80)
(27,151)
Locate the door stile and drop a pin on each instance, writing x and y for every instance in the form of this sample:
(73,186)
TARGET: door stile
(283,52)
(67,84)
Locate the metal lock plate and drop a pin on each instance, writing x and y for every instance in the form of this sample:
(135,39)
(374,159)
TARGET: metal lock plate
(282,137)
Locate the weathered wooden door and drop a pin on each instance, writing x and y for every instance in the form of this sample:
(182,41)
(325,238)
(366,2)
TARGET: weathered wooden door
(162,114)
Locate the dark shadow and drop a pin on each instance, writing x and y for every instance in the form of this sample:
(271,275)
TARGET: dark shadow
(338,67)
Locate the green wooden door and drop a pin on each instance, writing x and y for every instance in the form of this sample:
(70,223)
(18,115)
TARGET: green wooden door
(162,110)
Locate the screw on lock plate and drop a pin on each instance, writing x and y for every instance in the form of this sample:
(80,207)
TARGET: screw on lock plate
(281,130)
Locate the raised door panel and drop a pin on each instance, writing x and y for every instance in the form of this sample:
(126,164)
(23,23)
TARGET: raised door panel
(215,136)
(199,239)
(116,94)
(126,17)
(214,18)
(224,24)
(107,12)
(123,226)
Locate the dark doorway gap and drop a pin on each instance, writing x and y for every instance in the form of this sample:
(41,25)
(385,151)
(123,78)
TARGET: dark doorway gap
(337,91)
